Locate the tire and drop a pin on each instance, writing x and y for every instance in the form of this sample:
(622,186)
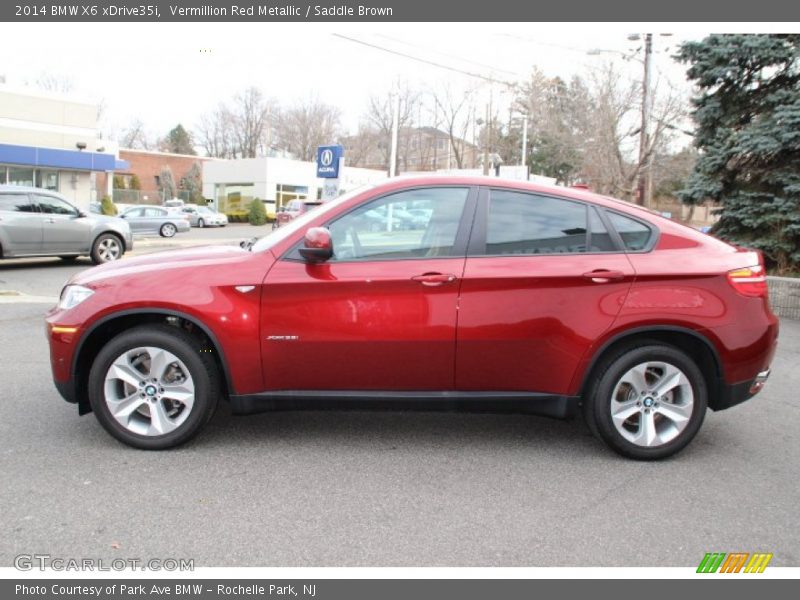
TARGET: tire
(201,223)
(648,401)
(107,248)
(127,391)
(168,230)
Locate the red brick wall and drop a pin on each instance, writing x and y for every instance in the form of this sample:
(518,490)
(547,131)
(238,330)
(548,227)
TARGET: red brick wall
(146,165)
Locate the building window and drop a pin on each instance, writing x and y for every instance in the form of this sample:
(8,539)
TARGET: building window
(233,197)
(285,193)
(47,180)
(20,176)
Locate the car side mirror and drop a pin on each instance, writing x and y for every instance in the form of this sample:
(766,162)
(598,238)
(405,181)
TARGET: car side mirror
(123,216)
(318,245)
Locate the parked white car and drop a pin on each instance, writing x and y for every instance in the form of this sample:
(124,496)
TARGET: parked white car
(202,216)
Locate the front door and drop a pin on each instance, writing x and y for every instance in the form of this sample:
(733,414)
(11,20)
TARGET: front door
(64,229)
(381,314)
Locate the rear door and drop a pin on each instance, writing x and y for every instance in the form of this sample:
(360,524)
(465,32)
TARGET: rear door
(20,224)
(64,229)
(543,279)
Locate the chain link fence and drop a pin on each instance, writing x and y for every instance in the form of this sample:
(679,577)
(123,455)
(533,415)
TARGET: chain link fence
(153,197)
(784,296)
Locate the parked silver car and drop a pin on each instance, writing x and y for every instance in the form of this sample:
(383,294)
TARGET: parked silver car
(155,220)
(202,216)
(38,222)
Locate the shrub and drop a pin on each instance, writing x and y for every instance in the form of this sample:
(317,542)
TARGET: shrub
(257,215)
(108,207)
(134,183)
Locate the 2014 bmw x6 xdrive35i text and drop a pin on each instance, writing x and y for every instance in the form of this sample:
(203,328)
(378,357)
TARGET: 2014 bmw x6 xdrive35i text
(501,295)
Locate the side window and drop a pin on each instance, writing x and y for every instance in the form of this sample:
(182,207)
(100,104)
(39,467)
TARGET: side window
(635,234)
(133,212)
(599,238)
(55,206)
(154,212)
(521,223)
(17,203)
(410,224)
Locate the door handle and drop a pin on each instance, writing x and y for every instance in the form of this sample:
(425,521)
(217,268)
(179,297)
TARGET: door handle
(432,279)
(604,275)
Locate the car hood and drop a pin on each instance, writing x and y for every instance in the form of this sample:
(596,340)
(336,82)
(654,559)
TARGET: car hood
(161,262)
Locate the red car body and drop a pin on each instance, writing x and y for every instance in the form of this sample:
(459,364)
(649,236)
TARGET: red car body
(522,331)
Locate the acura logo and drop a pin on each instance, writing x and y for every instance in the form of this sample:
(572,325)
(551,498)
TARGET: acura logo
(326,158)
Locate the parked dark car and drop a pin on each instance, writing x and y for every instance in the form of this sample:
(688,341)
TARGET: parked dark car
(514,297)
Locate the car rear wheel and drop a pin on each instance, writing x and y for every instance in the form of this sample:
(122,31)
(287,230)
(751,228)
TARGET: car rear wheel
(168,230)
(201,223)
(153,388)
(648,402)
(106,248)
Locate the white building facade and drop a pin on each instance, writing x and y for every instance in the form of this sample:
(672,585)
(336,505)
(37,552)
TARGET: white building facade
(233,184)
(51,141)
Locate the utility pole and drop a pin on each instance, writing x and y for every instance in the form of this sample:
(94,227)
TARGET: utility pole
(524,160)
(643,195)
(395,127)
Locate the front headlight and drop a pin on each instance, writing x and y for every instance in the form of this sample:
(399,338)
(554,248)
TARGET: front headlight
(72,295)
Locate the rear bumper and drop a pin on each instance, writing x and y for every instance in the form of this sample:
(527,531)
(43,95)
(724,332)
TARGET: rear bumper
(733,394)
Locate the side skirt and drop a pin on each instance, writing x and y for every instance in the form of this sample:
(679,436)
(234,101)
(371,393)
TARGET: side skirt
(547,405)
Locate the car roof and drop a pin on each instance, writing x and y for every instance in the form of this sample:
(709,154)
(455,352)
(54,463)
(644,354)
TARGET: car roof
(27,189)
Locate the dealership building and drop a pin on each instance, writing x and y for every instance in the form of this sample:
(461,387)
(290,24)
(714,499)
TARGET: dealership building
(51,141)
(233,184)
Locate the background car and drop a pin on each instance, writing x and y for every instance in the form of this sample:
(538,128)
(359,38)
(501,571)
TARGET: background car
(202,216)
(38,222)
(156,220)
(294,209)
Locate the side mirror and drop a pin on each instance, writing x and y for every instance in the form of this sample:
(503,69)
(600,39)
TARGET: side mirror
(123,216)
(318,245)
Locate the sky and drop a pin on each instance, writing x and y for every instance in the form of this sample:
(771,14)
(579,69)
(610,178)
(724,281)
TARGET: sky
(168,73)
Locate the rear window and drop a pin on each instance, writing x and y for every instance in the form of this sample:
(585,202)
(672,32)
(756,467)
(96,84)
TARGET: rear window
(635,234)
(17,203)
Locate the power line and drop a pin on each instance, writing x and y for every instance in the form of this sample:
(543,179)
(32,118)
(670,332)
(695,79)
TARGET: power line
(426,61)
(459,58)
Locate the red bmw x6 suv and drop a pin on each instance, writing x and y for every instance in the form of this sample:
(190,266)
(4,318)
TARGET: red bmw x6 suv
(504,296)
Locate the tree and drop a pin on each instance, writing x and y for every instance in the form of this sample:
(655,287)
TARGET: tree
(166,183)
(303,127)
(192,182)
(380,116)
(178,141)
(747,113)
(257,214)
(453,105)
(134,183)
(135,137)
(119,182)
(240,129)
(107,207)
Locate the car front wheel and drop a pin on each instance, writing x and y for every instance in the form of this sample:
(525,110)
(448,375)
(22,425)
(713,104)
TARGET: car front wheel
(168,230)
(648,402)
(106,248)
(153,387)
(201,223)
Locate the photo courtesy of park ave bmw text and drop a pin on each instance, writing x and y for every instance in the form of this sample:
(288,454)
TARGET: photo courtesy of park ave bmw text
(398,299)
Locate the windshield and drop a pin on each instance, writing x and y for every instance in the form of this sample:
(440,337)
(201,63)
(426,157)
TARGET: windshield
(205,210)
(280,234)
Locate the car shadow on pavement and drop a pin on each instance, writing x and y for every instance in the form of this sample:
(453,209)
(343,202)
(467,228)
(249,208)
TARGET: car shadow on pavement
(363,428)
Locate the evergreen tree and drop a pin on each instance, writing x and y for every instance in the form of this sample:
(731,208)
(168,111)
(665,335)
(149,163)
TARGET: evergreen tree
(179,141)
(258,214)
(747,113)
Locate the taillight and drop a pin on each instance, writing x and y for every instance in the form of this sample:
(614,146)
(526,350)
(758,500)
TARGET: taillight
(749,281)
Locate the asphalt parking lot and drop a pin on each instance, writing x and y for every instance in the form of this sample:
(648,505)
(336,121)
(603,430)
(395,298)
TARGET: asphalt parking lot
(380,488)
